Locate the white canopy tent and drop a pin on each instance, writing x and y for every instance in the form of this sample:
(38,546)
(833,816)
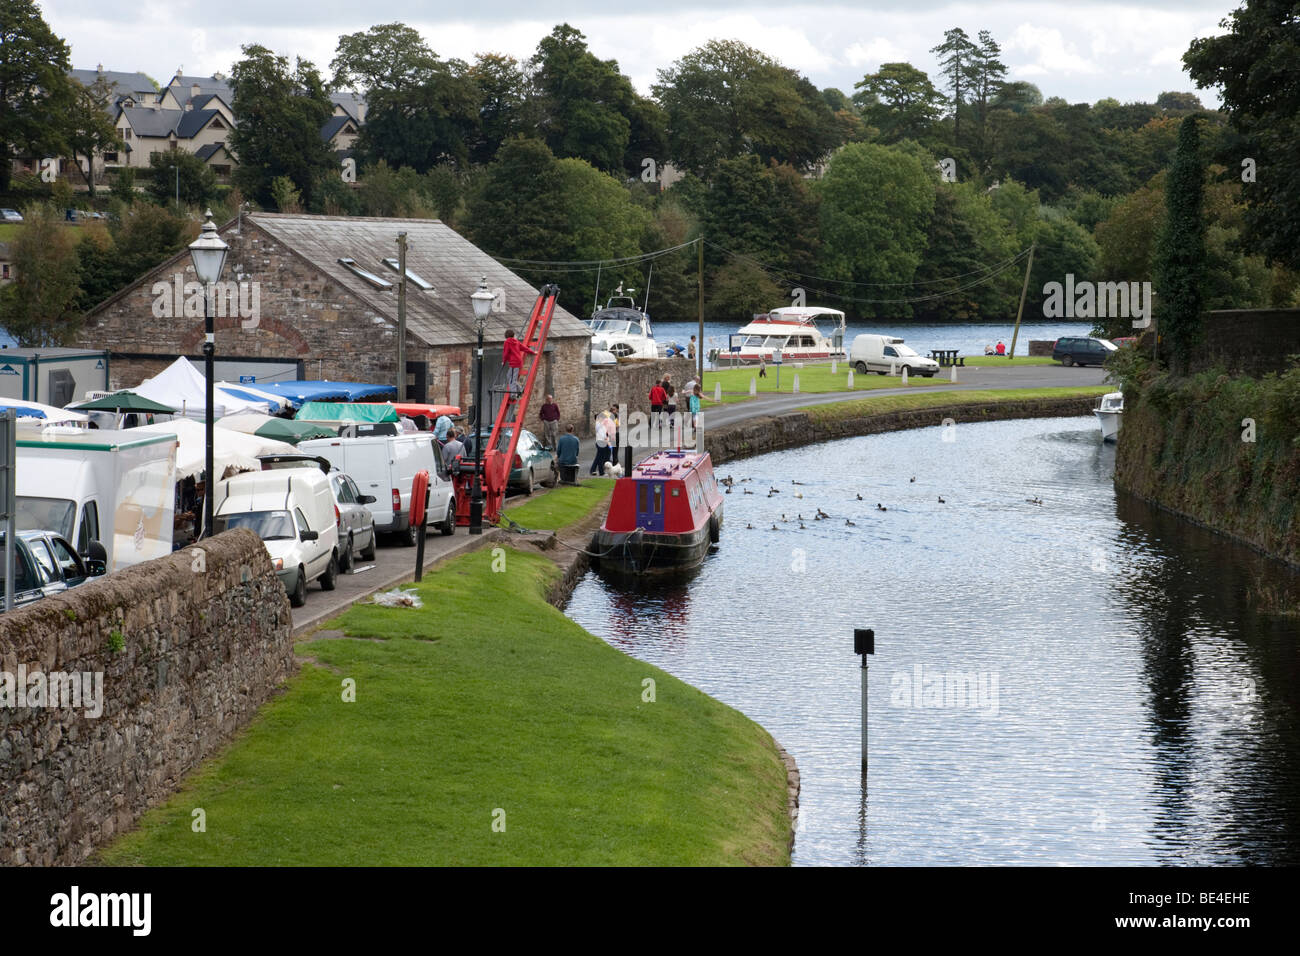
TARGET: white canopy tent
(182,386)
(229,447)
(53,415)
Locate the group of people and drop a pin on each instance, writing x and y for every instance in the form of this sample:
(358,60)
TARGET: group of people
(999,349)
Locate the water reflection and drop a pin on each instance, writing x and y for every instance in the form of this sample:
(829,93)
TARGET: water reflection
(1144,714)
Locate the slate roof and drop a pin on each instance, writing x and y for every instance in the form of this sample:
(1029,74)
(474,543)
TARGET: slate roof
(333,125)
(181,87)
(349,101)
(211,149)
(186,124)
(192,121)
(124,84)
(435,253)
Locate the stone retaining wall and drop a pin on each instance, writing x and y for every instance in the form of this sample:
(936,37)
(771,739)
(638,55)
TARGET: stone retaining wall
(187,646)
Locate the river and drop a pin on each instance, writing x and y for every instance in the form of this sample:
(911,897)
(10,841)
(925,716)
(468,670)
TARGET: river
(1080,681)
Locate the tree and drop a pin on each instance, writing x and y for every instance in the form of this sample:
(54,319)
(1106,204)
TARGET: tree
(1254,64)
(966,238)
(763,211)
(89,129)
(1171,102)
(957,55)
(1180,260)
(34,86)
(875,211)
(585,100)
(1063,248)
(37,307)
(281,112)
(986,79)
(432,120)
(507,103)
(726,99)
(177,171)
(145,236)
(389,57)
(1018,96)
(900,101)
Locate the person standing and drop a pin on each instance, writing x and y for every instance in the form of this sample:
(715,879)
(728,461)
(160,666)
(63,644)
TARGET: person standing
(512,353)
(690,349)
(451,448)
(441,427)
(762,367)
(670,406)
(613,434)
(567,450)
(550,416)
(696,398)
(602,444)
(657,398)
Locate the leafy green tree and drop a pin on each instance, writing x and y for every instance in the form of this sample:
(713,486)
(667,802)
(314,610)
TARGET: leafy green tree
(34,86)
(123,185)
(957,63)
(281,111)
(739,289)
(987,73)
(1018,209)
(38,307)
(1254,64)
(1063,247)
(726,99)
(530,205)
(875,211)
(145,236)
(1018,96)
(1180,260)
(674,290)
(1126,238)
(179,171)
(763,211)
(900,101)
(647,135)
(389,57)
(585,100)
(89,129)
(421,125)
(508,105)
(966,238)
(1170,102)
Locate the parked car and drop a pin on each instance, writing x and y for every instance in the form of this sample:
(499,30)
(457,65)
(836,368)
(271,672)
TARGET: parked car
(1082,350)
(355,522)
(534,463)
(45,564)
(11,215)
(880,353)
(293,512)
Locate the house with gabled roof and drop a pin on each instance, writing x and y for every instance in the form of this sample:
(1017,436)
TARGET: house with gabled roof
(326,294)
(146,130)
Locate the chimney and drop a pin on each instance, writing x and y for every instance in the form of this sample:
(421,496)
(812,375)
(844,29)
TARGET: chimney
(99,68)
(195,89)
(188,106)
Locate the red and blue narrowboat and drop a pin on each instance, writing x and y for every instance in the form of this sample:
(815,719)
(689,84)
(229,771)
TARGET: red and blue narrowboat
(662,517)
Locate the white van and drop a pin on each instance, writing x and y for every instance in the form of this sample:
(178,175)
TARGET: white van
(384,466)
(878,353)
(292,511)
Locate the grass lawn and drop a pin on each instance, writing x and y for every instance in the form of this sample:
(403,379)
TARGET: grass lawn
(561,506)
(1005,362)
(813,379)
(893,403)
(9,231)
(485,705)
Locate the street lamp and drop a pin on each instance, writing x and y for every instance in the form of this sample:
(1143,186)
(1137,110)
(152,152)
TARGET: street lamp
(208,252)
(482,301)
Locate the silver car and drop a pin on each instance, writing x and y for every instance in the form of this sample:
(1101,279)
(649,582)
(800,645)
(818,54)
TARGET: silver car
(356,523)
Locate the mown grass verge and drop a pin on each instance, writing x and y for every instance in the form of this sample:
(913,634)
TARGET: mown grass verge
(487,729)
(561,506)
(883,404)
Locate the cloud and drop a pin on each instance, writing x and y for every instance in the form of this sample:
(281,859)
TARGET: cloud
(873,53)
(1047,52)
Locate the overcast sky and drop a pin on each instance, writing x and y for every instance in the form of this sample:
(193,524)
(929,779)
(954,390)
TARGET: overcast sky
(1081,50)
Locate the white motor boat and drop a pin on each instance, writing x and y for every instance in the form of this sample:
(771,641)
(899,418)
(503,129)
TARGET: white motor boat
(621,329)
(794,332)
(1109,414)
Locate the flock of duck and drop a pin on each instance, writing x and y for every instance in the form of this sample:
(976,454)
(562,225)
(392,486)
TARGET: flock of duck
(730,482)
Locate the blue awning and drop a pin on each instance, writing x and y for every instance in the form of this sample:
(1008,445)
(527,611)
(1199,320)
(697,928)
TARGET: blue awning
(23,412)
(321,391)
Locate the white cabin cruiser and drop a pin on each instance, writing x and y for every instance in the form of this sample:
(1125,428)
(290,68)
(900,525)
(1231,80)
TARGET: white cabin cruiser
(1109,414)
(794,332)
(623,330)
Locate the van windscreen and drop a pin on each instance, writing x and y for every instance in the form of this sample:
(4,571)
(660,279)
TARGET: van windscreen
(46,514)
(267,525)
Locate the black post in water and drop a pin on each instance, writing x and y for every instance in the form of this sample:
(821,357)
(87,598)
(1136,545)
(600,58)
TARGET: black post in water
(864,643)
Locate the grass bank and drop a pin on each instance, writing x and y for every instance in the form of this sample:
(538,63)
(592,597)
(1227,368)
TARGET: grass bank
(833,411)
(487,729)
(561,506)
(813,379)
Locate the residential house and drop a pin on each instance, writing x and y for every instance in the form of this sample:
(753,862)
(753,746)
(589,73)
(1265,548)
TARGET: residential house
(316,297)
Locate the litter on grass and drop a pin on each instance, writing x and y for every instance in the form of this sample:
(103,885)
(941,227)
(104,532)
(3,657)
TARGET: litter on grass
(399,598)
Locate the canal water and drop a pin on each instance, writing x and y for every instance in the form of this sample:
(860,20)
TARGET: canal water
(1081,681)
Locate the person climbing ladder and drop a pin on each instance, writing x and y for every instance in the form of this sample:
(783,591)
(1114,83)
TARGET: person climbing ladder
(512,354)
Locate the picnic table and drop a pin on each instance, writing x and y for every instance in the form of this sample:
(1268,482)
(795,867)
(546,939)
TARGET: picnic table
(946,357)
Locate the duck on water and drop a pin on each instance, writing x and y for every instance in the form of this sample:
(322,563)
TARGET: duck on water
(662,517)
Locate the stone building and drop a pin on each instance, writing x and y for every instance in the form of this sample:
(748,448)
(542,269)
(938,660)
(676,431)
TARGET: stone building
(316,297)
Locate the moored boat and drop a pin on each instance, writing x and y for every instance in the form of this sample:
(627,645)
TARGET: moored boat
(621,329)
(1109,415)
(794,332)
(662,517)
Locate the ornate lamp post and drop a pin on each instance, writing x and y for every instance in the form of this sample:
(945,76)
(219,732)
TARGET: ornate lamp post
(482,301)
(208,252)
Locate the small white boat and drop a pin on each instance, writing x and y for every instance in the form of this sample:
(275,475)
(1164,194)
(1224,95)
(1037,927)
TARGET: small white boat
(1109,414)
(623,330)
(794,332)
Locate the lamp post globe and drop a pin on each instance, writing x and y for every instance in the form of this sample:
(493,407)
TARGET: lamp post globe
(482,302)
(208,253)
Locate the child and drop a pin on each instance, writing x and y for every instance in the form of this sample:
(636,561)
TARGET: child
(512,353)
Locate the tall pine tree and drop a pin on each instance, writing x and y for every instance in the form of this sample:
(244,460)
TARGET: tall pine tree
(1180,260)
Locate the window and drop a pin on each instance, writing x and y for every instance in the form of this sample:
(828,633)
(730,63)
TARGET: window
(353,489)
(775,342)
(45,514)
(46,568)
(890,352)
(5,273)
(805,341)
(659,498)
(411,277)
(343,491)
(217,124)
(89,526)
(68,562)
(126,133)
(634,328)
(374,280)
(301,519)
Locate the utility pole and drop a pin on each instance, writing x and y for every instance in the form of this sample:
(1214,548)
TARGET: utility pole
(401,316)
(699,339)
(1023,290)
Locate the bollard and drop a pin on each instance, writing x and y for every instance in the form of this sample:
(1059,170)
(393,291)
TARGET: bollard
(953,376)
(904,374)
(753,387)
(834,366)
(717,391)
(893,370)
(796,383)
(850,380)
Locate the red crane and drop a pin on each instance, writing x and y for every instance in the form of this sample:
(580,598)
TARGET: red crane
(495,461)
